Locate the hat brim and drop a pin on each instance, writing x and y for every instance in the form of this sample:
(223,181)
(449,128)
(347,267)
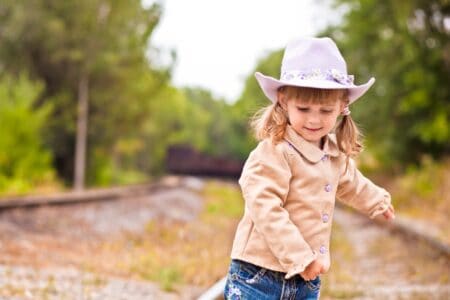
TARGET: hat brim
(270,86)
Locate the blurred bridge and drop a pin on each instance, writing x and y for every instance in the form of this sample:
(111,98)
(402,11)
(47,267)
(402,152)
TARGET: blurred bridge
(186,160)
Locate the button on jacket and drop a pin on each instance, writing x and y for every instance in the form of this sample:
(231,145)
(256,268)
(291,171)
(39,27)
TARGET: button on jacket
(289,190)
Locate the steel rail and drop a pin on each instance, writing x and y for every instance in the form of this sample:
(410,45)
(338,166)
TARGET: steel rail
(79,197)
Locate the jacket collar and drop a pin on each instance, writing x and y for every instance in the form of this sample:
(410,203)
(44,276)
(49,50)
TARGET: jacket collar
(308,150)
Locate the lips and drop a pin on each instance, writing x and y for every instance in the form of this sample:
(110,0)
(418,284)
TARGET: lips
(313,129)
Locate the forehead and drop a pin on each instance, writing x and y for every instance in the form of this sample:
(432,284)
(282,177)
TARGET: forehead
(329,97)
(317,103)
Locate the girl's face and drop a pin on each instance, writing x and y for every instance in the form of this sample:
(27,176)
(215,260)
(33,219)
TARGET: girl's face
(312,120)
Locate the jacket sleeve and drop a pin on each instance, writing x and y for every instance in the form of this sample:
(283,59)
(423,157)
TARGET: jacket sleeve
(360,193)
(265,186)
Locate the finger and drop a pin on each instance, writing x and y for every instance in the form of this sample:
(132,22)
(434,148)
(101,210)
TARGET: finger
(389,215)
(306,277)
(391,210)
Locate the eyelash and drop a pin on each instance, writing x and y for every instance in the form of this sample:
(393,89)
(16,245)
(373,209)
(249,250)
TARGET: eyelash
(307,109)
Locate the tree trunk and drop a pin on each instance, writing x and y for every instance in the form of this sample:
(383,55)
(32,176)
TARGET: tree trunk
(81,135)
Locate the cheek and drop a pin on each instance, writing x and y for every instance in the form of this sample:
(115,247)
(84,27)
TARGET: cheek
(332,120)
(292,113)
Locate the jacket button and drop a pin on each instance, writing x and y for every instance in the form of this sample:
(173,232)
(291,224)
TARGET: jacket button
(325,218)
(322,249)
(328,188)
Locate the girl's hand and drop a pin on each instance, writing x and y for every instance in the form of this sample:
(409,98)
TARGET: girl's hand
(389,214)
(313,270)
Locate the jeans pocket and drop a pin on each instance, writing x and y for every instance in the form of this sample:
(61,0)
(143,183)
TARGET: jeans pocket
(313,285)
(247,272)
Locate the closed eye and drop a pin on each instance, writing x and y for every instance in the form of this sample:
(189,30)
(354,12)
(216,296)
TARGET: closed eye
(303,109)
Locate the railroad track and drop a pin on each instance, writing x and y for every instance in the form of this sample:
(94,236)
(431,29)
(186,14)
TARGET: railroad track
(77,229)
(399,226)
(89,195)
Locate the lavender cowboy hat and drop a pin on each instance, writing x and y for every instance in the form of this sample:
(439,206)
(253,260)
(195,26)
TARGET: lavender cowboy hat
(314,63)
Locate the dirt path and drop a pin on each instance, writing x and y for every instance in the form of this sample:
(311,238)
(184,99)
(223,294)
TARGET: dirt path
(370,263)
(20,282)
(43,250)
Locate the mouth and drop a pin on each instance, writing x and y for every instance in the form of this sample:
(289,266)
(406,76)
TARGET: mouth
(313,129)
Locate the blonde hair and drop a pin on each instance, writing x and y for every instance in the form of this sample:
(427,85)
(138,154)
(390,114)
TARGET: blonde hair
(271,121)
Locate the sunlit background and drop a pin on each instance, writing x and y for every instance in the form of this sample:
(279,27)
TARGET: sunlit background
(218,44)
(102,93)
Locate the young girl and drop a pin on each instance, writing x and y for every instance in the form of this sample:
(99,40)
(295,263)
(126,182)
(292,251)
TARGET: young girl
(291,179)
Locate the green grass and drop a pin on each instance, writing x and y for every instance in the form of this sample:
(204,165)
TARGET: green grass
(168,277)
(422,183)
(224,201)
(149,267)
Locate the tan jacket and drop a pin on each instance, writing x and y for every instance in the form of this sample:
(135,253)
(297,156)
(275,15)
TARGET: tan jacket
(289,191)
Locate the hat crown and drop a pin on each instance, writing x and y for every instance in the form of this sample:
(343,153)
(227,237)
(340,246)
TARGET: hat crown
(309,53)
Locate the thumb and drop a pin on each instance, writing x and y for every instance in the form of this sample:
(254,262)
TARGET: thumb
(389,214)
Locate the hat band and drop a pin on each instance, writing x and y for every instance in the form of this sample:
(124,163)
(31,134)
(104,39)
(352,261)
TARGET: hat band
(330,74)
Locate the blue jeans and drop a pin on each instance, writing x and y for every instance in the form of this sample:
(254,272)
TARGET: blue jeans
(248,281)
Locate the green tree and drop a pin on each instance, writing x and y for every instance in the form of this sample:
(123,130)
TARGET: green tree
(406,46)
(251,100)
(24,160)
(102,43)
(217,126)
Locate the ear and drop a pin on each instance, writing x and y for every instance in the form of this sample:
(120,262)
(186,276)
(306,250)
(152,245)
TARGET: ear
(281,97)
(341,106)
(344,101)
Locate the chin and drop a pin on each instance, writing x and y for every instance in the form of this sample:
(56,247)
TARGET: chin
(313,140)
(313,137)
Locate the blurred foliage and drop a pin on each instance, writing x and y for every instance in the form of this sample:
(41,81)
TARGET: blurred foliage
(406,46)
(59,42)
(217,122)
(135,114)
(24,161)
(429,182)
(251,100)
(423,193)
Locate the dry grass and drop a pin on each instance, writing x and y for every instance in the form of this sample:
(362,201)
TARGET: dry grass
(340,274)
(424,195)
(197,252)
(174,254)
(168,252)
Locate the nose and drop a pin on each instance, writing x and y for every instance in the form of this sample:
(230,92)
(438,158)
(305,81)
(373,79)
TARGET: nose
(313,119)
